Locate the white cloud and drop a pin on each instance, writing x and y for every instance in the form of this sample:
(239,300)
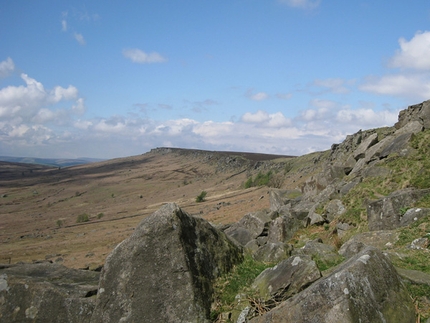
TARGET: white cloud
(259,96)
(264,119)
(33,103)
(139,56)
(413,82)
(6,67)
(415,86)
(367,117)
(79,38)
(335,85)
(64,25)
(413,54)
(302,4)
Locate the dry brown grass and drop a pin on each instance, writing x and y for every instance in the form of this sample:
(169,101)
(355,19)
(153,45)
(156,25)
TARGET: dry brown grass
(36,199)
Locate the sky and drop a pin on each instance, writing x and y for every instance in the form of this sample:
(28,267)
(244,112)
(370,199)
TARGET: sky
(107,79)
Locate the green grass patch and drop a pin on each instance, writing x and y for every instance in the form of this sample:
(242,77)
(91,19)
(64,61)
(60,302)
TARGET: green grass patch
(418,229)
(324,264)
(235,282)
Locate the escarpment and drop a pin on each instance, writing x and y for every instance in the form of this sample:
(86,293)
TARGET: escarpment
(349,243)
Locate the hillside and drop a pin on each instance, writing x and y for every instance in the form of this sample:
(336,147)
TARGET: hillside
(358,211)
(40,204)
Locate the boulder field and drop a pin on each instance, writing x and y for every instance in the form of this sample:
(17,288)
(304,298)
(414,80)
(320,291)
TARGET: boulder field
(166,270)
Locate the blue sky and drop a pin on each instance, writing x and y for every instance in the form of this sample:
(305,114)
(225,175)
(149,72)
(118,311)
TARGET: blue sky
(114,78)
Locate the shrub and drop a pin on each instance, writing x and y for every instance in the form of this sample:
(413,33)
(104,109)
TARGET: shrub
(83,218)
(100,215)
(60,223)
(201,197)
(267,179)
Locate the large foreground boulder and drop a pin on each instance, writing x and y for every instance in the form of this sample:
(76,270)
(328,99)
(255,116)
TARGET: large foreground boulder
(45,292)
(164,271)
(365,288)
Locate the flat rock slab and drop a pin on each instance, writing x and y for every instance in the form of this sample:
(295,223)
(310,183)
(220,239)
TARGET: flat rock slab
(46,292)
(365,288)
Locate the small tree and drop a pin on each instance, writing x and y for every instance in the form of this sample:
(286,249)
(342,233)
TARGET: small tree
(201,197)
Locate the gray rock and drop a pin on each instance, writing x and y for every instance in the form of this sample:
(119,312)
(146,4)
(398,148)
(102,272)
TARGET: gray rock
(385,213)
(353,293)
(414,276)
(418,112)
(342,229)
(286,279)
(252,246)
(164,271)
(334,208)
(241,235)
(279,198)
(46,292)
(255,222)
(399,145)
(325,253)
(273,252)
(378,239)
(351,249)
(412,215)
(315,219)
(360,152)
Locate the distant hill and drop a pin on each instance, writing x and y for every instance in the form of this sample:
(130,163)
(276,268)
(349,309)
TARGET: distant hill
(57,162)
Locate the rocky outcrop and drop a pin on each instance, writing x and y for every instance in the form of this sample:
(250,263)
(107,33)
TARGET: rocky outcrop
(386,213)
(164,272)
(418,112)
(366,288)
(286,279)
(46,292)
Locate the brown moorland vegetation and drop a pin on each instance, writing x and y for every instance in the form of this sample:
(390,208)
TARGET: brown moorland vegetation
(77,215)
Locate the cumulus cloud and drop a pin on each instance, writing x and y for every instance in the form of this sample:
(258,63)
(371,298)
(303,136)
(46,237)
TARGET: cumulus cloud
(79,38)
(302,4)
(415,86)
(413,80)
(6,67)
(141,57)
(413,54)
(25,106)
(265,119)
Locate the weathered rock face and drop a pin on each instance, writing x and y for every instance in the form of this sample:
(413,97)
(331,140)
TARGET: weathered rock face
(287,278)
(366,288)
(46,293)
(325,253)
(419,112)
(164,271)
(386,213)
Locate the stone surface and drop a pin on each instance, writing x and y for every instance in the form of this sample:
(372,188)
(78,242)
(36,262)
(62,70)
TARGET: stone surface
(385,213)
(46,292)
(378,239)
(287,278)
(255,222)
(334,208)
(273,252)
(412,215)
(366,288)
(164,271)
(325,253)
